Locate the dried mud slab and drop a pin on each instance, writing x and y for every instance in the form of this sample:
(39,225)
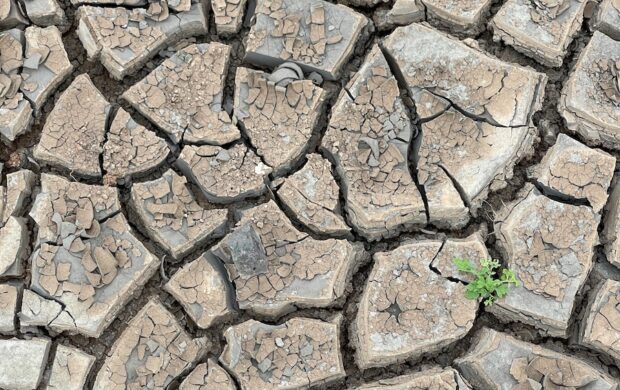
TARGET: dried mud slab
(482,86)
(460,16)
(298,354)
(368,140)
(228,15)
(573,171)
(224,175)
(590,100)
(550,247)
(125,39)
(499,361)
(183,96)
(45,12)
(70,369)
(540,29)
(435,378)
(19,186)
(278,119)
(317,35)
(208,376)
(611,231)
(607,18)
(276,268)
(600,329)
(8,307)
(407,310)
(36,311)
(152,351)
(201,286)
(402,13)
(15,110)
(74,131)
(25,367)
(11,16)
(88,258)
(312,196)
(14,241)
(470,248)
(172,217)
(130,149)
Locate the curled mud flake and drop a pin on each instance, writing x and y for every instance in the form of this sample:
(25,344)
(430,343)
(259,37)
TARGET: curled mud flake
(529,366)
(550,246)
(74,132)
(368,140)
(11,15)
(131,149)
(228,15)
(171,215)
(317,35)
(471,248)
(46,64)
(312,196)
(279,119)
(152,351)
(202,288)
(28,359)
(45,13)
(276,268)
(607,18)
(70,369)
(540,29)
(183,96)
(589,102)
(19,186)
(484,87)
(402,13)
(408,310)
(125,39)
(461,16)
(15,110)
(14,241)
(8,307)
(224,175)
(208,376)
(600,328)
(434,378)
(574,171)
(298,354)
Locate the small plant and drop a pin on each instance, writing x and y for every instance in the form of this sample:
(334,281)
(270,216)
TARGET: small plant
(486,285)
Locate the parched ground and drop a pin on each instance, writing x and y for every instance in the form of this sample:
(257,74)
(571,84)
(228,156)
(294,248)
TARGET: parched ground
(270,194)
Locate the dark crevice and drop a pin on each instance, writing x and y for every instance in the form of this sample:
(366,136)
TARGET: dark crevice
(457,186)
(560,197)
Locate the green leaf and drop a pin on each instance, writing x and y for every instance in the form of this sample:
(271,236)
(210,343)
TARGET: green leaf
(488,284)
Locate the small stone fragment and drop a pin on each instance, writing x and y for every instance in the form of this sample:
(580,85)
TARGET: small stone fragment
(550,247)
(607,18)
(23,362)
(572,170)
(434,378)
(600,328)
(45,12)
(310,355)
(499,361)
(279,120)
(368,140)
(125,39)
(208,376)
(402,13)
(8,308)
(152,351)
(275,268)
(590,100)
(540,29)
(228,15)
(317,35)
(408,310)
(201,287)
(184,95)
(70,369)
(74,132)
(14,242)
(224,175)
(312,195)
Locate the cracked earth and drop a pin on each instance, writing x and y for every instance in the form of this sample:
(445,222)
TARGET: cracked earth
(269,194)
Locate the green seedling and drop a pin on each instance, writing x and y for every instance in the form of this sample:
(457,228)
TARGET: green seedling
(486,284)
